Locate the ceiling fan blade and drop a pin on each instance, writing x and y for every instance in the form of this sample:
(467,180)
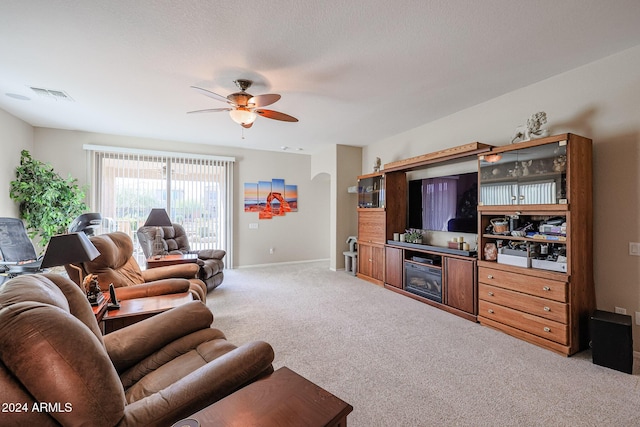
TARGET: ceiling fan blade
(263,100)
(210,94)
(276,115)
(209,110)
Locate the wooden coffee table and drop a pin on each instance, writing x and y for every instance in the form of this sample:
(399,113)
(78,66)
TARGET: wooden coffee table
(164,260)
(284,398)
(135,310)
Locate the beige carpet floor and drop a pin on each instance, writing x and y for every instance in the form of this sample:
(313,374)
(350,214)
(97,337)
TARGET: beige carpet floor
(403,363)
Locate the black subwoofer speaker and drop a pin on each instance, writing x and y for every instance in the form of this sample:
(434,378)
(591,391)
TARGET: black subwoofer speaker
(612,341)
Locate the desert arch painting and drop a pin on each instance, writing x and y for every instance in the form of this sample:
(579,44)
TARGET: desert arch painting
(270,198)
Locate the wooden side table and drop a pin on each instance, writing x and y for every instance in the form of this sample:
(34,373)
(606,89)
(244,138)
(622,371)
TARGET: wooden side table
(164,260)
(134,310)
(284,398)
(100,309)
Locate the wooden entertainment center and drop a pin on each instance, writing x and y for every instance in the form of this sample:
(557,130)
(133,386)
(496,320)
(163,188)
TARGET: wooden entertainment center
(532,274)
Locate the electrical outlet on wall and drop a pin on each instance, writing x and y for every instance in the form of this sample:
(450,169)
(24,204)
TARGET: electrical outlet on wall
(620,310)
(272,250)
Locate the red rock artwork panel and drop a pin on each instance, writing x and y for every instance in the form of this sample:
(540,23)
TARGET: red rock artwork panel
(270,198)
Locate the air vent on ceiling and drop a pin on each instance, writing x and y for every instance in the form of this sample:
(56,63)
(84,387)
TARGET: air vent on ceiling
(58,95)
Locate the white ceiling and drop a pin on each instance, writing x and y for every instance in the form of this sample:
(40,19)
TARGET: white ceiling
(352,72)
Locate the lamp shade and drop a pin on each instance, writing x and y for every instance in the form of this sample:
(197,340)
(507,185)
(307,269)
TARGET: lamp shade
(158,218)
(68,249)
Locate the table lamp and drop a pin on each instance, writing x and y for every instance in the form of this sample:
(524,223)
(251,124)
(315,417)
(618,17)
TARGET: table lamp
(70,249)
(158,218)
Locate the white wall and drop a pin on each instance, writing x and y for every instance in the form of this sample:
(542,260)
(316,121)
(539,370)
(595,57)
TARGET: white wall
(341,164)
(15,136)
(298,236)
(601,101)
(347,166)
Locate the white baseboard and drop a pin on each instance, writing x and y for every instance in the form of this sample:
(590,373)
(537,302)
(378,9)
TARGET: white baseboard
(272,264)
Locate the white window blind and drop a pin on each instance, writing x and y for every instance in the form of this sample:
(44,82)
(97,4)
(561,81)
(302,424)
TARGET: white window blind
(195,191)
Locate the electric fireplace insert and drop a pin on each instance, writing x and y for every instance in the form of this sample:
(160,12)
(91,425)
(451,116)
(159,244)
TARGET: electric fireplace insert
(423,280)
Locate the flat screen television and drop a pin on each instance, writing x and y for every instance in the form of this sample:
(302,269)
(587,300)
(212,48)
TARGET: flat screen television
(445,203)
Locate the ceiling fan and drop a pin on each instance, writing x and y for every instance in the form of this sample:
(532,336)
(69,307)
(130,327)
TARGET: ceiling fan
(244,107)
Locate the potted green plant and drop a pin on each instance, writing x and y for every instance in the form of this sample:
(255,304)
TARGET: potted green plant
(413,235)
(47,202)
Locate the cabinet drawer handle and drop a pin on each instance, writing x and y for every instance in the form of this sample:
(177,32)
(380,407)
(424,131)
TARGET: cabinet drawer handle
(490,294)
(490,276)
(547,309)
(490,311)
(370,260)
(547,329)
(521,197)
(546,288)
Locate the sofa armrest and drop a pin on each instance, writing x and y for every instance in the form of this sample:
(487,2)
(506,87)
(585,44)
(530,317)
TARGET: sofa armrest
(210,253)
(131,344)
(206,385)
(168,353)
(184,271)
(152,289)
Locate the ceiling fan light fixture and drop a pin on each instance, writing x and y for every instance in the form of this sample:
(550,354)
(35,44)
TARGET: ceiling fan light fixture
(243,116)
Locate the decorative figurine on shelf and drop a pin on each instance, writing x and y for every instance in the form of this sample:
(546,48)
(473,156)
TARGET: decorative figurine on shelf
(525,167)
(533,128)
(94,293)
(516,171)
(377,164)
(490,252)
(560,163)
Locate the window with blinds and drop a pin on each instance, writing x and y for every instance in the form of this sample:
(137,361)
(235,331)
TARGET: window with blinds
(195,191)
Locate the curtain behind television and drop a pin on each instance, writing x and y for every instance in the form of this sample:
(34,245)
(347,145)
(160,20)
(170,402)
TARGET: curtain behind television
(439,197)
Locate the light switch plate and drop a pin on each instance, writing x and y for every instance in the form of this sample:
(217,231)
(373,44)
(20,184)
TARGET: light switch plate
(634,248)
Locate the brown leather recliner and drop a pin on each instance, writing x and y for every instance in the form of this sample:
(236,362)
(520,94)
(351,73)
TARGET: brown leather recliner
(55,364)
(175,241)
(117,265)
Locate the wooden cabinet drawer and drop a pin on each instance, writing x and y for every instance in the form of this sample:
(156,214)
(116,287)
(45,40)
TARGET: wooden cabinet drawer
(535,325)
(371,227)
(552,310)
(531,285)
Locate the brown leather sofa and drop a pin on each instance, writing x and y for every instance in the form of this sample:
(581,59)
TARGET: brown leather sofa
(117,265)
(57,369)
(175,241)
